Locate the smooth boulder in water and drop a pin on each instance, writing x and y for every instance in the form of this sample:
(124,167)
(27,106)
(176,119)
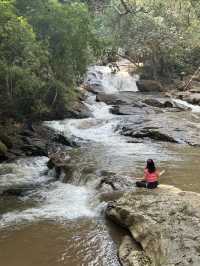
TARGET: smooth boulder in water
(149,85)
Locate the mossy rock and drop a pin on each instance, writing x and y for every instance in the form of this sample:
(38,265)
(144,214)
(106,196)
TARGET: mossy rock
(6,140)
(3,148)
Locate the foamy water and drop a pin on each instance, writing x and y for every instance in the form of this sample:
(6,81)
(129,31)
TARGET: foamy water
(88,129)
(108,82)
(60,202)
(181,103)
(23,172)
(100,110)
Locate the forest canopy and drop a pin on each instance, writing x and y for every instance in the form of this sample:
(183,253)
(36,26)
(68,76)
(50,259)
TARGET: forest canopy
(46,46)
(162,35)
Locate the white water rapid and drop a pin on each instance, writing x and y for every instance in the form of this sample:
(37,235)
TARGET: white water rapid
(103,126)
(107,82)
(23,173)
(181,103)
(56,202)
(67,201)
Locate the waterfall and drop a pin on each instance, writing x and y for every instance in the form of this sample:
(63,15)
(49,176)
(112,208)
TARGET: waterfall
(107,82)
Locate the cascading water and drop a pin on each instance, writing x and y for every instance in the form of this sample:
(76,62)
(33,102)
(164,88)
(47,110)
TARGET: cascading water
(56,202)
(23,173)
(69,215)
(64,202)
(108,82)
(102,127)
(181,103)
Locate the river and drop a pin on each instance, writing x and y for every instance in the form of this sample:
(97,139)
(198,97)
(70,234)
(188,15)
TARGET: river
(62,223)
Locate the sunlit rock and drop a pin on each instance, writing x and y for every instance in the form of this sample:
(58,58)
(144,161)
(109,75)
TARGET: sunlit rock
(164,221)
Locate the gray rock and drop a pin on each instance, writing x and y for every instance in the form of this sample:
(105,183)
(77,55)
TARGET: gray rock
(94,88)
(131,254)
(165,221)
(80,110)
(109,99)
(60,162)
(152,134)
(158,103)
(193,98)
(167,126)
(112,182)
(37,143)
(34,147)
(191,94)
(149,86)
(127,110)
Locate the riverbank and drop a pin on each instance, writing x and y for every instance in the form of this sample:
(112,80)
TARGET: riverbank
(164,222)
(30,140)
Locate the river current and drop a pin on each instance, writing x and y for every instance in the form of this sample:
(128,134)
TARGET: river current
(62,223)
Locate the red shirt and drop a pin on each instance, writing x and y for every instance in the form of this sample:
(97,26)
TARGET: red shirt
(150,177)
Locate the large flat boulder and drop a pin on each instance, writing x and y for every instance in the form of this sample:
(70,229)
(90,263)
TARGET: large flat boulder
(164,221)
(160,103)
(127,110)
(173,127)
(149,85)
(110,99)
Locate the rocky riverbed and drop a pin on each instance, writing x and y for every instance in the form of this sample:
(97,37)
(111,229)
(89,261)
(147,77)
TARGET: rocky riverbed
(70,169)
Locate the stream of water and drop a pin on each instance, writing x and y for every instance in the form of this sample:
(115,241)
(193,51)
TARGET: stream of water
(58,223)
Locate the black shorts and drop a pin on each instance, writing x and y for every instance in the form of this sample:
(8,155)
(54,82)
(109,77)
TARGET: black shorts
(145,184)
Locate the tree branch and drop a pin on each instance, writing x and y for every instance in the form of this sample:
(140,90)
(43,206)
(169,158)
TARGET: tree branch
(128,9)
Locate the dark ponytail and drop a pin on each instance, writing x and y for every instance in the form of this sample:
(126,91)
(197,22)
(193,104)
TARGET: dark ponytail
(150,166)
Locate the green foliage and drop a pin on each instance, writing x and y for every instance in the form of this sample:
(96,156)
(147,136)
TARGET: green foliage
(45,47)
(164,36)
(68,31)
(22,64)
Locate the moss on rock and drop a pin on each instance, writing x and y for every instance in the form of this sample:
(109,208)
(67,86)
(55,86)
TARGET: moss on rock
(3,148)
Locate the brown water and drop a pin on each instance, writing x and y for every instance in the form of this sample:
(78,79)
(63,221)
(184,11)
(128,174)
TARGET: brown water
(184,172)
(181,162)
(72,243)
(63,223)
(90,241)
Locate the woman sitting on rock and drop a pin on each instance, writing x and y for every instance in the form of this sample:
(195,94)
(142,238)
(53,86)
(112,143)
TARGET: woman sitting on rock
(151,175)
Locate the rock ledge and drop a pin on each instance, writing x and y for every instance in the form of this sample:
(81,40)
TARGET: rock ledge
(165,222)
